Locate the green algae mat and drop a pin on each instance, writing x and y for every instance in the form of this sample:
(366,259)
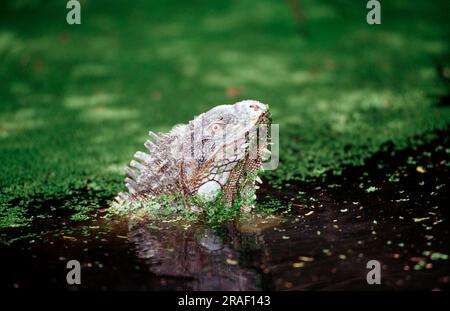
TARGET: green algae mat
(76,101)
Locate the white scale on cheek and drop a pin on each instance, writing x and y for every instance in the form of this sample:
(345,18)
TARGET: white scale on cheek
(210,189)
(223,178)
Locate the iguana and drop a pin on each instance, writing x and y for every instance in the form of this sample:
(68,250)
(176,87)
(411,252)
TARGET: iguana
(217,153)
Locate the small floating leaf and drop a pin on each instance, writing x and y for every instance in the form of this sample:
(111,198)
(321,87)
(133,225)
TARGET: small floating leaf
(371,189)
(326,251)
(437,256)
(298,264)
(420,169)
(232,261)
(420,219)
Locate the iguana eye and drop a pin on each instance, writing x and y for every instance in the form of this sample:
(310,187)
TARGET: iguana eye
(216,127)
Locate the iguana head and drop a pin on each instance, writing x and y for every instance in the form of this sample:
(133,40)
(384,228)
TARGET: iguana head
(218,151)
(226,147)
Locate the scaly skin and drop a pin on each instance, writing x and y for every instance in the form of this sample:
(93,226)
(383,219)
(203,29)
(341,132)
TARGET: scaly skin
(217,152)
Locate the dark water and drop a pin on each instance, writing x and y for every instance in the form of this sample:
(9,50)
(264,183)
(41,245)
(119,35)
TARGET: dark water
(394,209)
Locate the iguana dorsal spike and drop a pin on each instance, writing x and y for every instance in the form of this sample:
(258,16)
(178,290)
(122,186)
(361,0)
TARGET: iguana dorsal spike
(154,136)
(130,188)
(123,196)
(132,173)
(145,157)
(150,146)
(137,165)
(132,183)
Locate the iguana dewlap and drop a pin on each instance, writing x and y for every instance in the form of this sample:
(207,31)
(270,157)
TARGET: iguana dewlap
(219,152)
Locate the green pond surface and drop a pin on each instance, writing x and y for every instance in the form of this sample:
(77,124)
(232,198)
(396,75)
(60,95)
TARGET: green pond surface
(393,210)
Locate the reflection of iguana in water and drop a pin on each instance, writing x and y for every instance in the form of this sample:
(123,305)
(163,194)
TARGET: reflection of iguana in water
(219,152)
(184,255)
